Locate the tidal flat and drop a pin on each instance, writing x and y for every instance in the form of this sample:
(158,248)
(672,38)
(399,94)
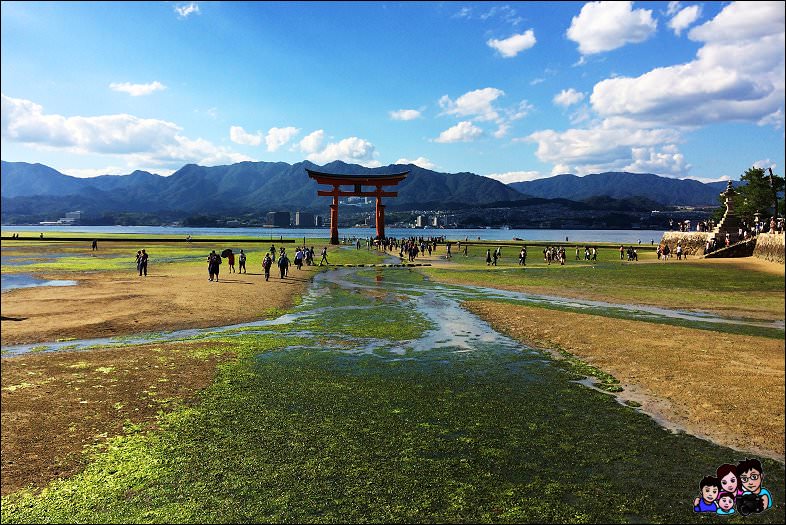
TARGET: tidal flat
(380,399)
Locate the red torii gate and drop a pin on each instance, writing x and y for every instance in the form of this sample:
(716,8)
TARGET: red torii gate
(357,182)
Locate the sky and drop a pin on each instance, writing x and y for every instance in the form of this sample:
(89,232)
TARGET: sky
(514,91)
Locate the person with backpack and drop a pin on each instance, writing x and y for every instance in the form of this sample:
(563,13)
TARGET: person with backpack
(241,263)
(267,262)
(283,264)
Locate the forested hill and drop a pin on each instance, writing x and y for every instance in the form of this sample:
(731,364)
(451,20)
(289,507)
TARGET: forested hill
(242,187)
(622,185)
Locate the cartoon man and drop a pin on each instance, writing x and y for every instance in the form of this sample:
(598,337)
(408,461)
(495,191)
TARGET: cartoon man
(751,477)
(725,503)
(709,487)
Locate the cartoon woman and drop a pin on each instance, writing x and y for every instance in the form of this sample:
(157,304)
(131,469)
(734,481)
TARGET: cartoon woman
(727,474)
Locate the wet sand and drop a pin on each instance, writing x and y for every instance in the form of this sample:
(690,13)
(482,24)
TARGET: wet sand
(724,387)
(171,297)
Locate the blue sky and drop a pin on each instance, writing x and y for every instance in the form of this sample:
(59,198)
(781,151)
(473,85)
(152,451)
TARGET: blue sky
(514,91)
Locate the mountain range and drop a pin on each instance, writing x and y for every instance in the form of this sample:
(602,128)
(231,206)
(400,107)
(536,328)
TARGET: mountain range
(259,187)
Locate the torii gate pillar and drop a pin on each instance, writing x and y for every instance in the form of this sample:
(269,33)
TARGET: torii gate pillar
(357,182)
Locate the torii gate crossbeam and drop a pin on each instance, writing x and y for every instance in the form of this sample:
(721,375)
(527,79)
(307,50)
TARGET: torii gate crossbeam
(357,182)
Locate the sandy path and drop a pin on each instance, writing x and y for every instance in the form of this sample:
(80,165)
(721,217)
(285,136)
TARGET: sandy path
(171,297)
(724,387)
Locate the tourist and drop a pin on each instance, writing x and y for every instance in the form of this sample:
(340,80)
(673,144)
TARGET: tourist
(622,252)
(488,257)
(267,262)
(679,250)
(143,263)
(283,265)
(324,256)
(231,260)
(298,258)
(95,244)
(138,259)
(213,265)
(241,263)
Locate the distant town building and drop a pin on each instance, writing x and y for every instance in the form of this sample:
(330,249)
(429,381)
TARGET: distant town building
(304,219)
(71,218)
(421,221)
(278,218)
(318,221)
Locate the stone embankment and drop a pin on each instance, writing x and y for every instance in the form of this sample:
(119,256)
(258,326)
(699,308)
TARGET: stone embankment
(693,243)
(771,247)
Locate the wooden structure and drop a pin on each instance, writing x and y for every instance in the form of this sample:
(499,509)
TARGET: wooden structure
(356,182)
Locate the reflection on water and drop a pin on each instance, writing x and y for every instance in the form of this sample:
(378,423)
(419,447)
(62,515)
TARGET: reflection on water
(23,280)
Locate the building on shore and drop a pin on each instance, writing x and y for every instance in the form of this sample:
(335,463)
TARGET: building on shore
(279,219)
(304,219)
(71,218)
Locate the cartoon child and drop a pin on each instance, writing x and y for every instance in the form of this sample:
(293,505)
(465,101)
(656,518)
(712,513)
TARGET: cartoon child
(727,474)
(751,476)
(709,487)
(725,503)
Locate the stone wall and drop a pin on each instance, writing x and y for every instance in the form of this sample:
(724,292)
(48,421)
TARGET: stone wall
(770,247)
(693,243)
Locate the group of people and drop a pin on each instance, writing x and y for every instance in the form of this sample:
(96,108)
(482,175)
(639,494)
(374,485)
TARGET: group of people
(735,489)
(141,262)
(631,252)
(303,255)
(554,254)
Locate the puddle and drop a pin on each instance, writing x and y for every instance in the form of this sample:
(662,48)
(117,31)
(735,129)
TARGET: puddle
(21,280)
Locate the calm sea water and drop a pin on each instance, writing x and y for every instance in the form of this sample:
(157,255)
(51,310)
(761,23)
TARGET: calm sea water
(614,236)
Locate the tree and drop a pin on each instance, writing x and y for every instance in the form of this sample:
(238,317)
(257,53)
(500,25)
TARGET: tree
(757,195)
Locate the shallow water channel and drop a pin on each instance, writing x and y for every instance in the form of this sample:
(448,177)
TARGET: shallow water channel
(334,301)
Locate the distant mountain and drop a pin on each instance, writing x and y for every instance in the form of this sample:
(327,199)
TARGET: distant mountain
(622,185)
(245,187)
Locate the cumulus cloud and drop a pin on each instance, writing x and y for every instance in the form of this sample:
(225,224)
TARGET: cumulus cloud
(184,10)
(512,46)
(352,150)
(476,104)
(464,131)
(139,141)
(610,145)
(423,162)
(604,26)
(405,114)
(238,135)
(568,97)
(277,137)
(137,90)
(738,75)
(312,142)
(684,19)
(515,176)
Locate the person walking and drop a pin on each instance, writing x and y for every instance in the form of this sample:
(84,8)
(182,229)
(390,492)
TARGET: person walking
(143,263)
(231,260)
(324,256)
(95,244)
(488,257)
(138,260)
(283,265)
(241,263)
(267,262)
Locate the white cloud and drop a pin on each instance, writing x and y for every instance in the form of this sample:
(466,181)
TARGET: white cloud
(464,131)
(136,90)
(423,162)
(684,18)
(515,176)
(512,46)
(672,8)
(476,104)
(238,135)
(738,75)
(351,150)
(603,26)
(277,137)
(184,10)
(405,114)
(312,142)
(138,141)
(610,145)
(568,97)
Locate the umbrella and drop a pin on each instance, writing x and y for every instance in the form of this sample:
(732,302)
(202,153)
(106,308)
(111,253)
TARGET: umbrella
(226,252)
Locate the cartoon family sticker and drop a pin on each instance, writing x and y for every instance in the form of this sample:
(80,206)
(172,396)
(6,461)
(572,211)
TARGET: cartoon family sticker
(734,489)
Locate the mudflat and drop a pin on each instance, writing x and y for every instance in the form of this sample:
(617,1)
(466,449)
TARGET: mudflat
(171,297)
(724,387)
